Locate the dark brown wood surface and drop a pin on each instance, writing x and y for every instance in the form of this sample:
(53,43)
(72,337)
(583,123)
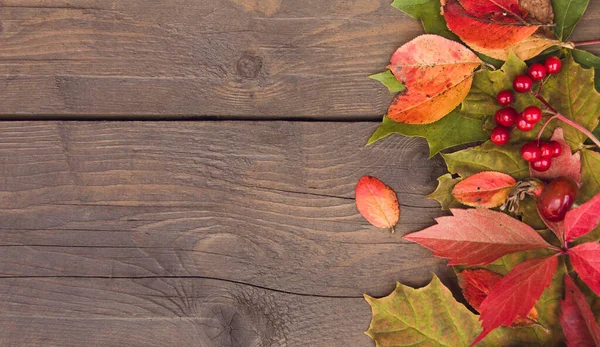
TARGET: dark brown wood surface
(195,58)
(204,234)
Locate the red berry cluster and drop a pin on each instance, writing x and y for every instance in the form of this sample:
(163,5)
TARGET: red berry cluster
(507,117)
(540,154)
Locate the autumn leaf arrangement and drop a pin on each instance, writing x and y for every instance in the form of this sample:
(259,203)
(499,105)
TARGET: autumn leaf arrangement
(499,80)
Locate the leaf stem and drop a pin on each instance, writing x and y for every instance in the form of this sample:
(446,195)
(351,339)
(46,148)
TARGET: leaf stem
(564,119)
(587,43)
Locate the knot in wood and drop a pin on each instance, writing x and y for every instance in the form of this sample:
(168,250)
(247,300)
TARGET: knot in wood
(249,66)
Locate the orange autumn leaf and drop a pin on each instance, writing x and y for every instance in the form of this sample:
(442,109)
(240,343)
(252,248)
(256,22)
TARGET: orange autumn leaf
(488,24)
(487,189)
(437,74)
(377,202)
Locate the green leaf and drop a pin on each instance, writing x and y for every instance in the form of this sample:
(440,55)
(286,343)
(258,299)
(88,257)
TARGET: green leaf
(428,316)
(429,13)
(571,92)
(388,79)
(443,193)
(587,59)
(487,84)
(488,157)
(452,130)
(590,175)
(567,14)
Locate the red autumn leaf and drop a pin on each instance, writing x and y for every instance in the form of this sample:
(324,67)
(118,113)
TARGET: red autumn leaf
(377,202)
(477,236)
(487,189)
(566,165)
(586,261)
(437,74)
(488,24)
(582,220)
(516,293)
(576,318)
(476,285)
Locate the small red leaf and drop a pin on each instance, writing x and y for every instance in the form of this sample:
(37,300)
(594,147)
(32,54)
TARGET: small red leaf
(487,24)
(566,165)
(437,74)
(586,261)
(582,220)
(377,202)
(576,318)
(477,236)
(516,293)
(487,189)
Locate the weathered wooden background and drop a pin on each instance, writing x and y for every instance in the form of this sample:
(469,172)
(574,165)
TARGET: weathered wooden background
(208,233)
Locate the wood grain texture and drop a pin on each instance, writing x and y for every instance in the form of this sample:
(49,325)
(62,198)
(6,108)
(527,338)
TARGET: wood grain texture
(195,58)
(164,231)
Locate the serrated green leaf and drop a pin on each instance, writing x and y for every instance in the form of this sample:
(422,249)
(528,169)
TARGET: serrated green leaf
(443,193)
(587,59)
(487,84)
(488,157)
(571,92)
(567,13)
(452,130)
(429,13)
(388,79)
(428,316)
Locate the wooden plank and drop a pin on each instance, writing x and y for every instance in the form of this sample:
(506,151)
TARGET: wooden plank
(232,58)
(172,312)
(110,227)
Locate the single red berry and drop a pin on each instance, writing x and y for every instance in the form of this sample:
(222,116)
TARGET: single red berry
(532,114)
(556,199)
(537,71)
(506,116)
(522,84)
(553,65)
(542,164)
(523,124)
(546,150)
(531,152)
(500,135)
(505,97)
(556,148)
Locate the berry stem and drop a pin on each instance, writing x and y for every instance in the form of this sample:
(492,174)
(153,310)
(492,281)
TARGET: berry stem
(587,43)
(566,120)
(539,136)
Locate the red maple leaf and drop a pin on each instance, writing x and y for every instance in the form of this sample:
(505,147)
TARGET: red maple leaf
(516,293)
(477,237)
(586,261)
(476,284)
(576,317)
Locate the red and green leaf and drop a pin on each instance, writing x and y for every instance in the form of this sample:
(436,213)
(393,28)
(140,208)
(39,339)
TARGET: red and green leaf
(488,24)
(477,237)
(516,293)
(576,318)
(377,202)
(437,74)
(586,261)
(487,189)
